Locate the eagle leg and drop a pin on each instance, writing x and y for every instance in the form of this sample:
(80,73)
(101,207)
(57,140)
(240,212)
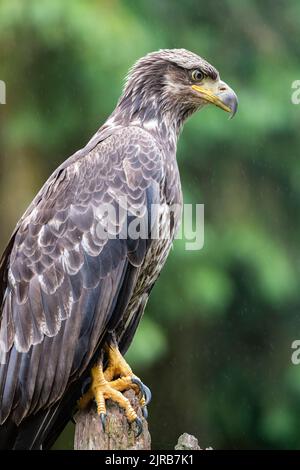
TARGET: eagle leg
(118,367)
(109,383)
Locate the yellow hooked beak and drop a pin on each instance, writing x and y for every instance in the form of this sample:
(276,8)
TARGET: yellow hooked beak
(224,97)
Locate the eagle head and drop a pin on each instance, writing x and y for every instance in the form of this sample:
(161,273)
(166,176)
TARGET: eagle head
(171,84)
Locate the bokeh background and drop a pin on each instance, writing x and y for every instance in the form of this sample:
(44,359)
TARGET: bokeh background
(215,342)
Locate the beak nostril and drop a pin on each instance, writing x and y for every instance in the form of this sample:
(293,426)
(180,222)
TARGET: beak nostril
(223,88)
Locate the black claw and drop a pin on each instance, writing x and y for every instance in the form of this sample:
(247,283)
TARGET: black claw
(147,394)
(139,383)
(85,386)
(145,391)
(139,426)
(145,412)
(103,420)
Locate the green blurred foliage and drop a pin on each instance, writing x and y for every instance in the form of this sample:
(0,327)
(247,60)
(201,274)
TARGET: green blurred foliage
(215,343)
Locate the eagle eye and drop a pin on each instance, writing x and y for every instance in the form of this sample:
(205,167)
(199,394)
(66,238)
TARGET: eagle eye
(197,75)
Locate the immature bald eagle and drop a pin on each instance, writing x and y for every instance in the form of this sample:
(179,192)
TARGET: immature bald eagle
(72,295)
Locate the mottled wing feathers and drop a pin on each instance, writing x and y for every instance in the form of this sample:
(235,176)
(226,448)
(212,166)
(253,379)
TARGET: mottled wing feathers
(63,274)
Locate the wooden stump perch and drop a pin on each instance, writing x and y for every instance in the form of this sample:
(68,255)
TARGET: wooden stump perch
(118,435)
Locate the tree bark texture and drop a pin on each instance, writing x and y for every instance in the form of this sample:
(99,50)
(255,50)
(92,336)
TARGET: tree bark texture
(118,434)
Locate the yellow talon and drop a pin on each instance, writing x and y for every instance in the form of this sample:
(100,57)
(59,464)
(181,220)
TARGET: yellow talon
(109,383)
